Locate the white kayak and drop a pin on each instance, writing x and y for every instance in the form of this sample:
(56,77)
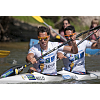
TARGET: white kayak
(29,78)
(89,76)
(38,77)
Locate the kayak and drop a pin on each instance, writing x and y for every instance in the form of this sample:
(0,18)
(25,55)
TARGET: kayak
(92,51)
(33,42)
(31,78)
(4,53)
(89,76)
(36,77)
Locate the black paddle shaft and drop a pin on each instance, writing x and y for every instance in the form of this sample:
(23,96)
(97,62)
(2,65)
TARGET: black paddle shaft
(98,27)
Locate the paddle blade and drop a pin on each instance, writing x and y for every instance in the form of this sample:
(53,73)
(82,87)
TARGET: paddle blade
(12,71)
(38,18)
(4,53)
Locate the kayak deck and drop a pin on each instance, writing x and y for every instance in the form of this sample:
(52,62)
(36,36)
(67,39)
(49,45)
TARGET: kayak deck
(91,75)
(38,77)
(28,78)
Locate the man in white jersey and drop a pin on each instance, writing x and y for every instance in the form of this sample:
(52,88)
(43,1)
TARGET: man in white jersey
(76,62)
(47,64)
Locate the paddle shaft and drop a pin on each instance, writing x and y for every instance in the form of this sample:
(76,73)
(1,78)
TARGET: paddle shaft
(86,37)
(56,32)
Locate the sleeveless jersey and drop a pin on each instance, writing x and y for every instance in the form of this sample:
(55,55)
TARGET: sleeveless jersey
(49,60)
(77,61)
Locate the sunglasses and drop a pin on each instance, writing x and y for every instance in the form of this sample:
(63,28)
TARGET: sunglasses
(66,36)
(43,38)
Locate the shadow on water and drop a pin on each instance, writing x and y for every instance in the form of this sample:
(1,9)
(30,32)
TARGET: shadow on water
(19,50)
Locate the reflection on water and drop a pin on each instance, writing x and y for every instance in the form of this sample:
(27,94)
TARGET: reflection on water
(18,52)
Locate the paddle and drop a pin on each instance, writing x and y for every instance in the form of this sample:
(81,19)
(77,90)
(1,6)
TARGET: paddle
(4,53)
(39,19)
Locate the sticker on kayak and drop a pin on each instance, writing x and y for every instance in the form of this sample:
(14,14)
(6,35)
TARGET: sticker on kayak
(31,77)
(66,77)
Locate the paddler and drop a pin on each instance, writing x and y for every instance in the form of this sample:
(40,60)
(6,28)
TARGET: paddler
(76,62)
(47,64)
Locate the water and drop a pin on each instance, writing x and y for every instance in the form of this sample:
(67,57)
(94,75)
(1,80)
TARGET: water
(18,53)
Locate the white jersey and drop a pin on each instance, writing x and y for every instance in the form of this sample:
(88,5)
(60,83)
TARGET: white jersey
(49,60)
(77,60)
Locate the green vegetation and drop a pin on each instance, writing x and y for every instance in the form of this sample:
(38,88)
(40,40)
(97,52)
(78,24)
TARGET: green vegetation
(79,27)
(27,19)
(49,22)
(76,23)
(30,19)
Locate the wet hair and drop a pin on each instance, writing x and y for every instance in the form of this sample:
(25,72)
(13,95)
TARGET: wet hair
(43,29)
(69,28)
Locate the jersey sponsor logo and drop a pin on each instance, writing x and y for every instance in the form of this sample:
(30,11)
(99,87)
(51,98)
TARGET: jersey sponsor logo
(79,64)
(41,60)
(52,58)
(76,56)
(71,57)
(50,66)
(47,60)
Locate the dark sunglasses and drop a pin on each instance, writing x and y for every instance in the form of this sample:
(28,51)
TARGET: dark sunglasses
(67,36)
(43,38)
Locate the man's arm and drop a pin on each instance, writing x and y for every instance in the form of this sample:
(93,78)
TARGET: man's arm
(73,48)
(30,58)
(60,55)
(96,45)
